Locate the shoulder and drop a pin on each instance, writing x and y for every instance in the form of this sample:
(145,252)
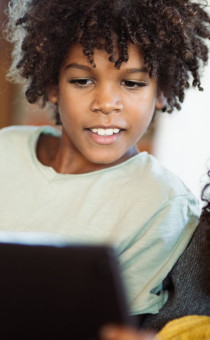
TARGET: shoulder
(26,130)
(17,143)
(16,129)
(153,178)
(13,135)
(156,199)
(14,139)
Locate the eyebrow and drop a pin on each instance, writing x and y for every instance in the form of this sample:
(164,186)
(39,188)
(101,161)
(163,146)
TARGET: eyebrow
(78,66)
(137,70)
(88,68)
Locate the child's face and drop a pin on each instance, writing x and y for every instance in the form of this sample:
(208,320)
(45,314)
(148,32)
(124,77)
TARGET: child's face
(104,111)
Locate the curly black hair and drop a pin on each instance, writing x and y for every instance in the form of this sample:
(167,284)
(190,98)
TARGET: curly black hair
(170,33)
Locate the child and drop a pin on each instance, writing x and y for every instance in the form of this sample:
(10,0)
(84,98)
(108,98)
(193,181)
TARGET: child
(106,67)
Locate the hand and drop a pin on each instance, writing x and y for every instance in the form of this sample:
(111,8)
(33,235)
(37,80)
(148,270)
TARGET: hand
(114,332)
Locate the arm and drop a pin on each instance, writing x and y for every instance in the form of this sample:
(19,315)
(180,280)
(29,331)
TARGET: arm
(188,284)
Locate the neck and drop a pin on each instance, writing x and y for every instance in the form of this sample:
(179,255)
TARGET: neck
(65,159)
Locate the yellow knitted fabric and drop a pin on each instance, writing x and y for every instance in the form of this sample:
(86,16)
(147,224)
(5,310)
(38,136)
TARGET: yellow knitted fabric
(192,327)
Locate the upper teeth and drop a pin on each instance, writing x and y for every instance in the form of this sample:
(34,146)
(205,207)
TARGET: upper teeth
(105,132)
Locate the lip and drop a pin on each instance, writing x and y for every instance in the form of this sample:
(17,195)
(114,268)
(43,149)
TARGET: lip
(104,140)
(105,127)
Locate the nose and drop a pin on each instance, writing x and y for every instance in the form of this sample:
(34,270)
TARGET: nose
(106,101)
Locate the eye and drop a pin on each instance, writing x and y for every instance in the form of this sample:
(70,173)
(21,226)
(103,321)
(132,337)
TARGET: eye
(82,82)
(131,84)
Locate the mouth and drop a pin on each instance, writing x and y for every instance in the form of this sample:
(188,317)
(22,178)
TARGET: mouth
(102,135)
(105,131)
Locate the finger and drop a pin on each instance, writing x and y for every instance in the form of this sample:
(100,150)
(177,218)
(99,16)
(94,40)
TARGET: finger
(124,333)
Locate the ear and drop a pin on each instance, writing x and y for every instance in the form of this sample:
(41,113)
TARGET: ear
(161,101)
(52,93)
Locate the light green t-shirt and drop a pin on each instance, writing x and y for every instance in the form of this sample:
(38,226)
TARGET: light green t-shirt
(139,207)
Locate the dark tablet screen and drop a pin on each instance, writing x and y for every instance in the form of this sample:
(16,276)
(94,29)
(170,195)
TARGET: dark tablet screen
(64,292)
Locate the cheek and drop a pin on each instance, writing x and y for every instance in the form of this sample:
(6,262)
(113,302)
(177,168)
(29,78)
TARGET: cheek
(142,113)
(68,107)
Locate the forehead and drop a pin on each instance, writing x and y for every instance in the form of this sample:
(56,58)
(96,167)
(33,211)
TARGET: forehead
(101,57)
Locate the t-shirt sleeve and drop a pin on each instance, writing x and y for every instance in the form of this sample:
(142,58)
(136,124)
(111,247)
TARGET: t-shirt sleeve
(188,282)
(148,258)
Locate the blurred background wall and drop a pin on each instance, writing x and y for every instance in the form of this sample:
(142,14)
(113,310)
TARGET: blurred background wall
(181,141)
(6,90)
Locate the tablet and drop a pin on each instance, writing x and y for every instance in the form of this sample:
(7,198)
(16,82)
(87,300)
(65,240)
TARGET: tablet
(59,292)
